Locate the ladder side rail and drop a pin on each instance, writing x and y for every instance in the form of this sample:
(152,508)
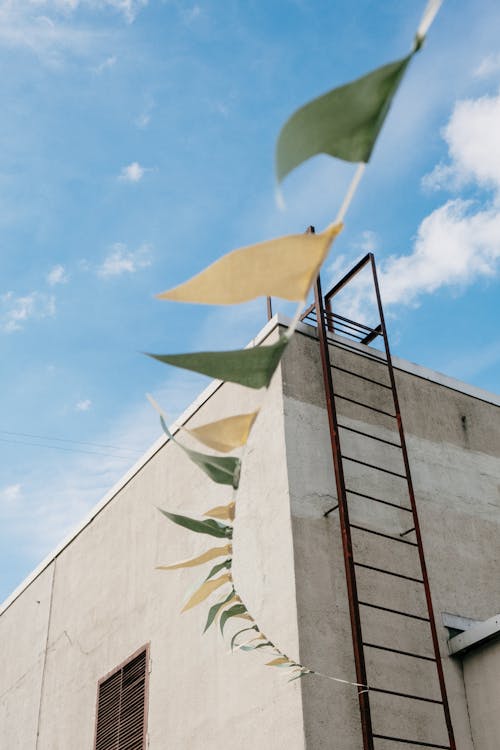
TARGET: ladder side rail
(411,493)
(352,592)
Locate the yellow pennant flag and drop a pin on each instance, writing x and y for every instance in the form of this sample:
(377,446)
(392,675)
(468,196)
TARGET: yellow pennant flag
(285,267)
(205,557)
(278,662)
(224,512)
(225,435)
(205,590)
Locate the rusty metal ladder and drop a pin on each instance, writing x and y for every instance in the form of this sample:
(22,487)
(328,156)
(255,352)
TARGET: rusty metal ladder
(337,331)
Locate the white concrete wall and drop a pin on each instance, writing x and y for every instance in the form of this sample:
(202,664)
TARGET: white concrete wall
(481,671)
(23,641)
(456,473)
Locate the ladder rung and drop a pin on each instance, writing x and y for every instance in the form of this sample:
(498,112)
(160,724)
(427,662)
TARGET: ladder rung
(362,377)
(372,437)
(366,406)
(410,742)
(405,695)
(373,335)
(394,611)
(388,572)
(378,500)
(345,329)
(377,468)
(398,651)
(336,316)
(381,533)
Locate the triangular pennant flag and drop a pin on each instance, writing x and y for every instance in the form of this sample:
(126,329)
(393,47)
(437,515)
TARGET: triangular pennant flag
(252,367)
(224,512)
(238,610)
(346,122)
(205,557)
(284,267)
(279,662)
(215,609)
(343,123)
(243,630)
(221,469)
(205,590)
(212,527)
(225,435)
(227,564)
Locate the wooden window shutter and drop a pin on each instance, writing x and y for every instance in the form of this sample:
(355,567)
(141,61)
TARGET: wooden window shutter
(121,705)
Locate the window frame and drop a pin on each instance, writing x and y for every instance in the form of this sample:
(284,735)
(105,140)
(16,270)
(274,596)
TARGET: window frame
(143,649)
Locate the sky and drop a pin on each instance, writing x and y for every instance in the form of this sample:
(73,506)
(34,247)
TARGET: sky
(137,141)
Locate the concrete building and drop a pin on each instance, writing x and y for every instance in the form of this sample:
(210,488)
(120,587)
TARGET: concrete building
(98,600)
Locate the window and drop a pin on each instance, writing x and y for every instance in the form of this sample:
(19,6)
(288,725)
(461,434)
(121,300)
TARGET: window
(121,705)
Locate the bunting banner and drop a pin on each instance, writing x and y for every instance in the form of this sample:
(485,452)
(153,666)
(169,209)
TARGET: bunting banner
(344,123)
(285,267)
(230,606)
(252,367)
(225,435)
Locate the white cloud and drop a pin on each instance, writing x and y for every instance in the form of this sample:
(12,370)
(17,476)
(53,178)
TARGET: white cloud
(15,311)
(10,495)
(144,118)
(57,275)
(83,405)
(128,8)
(368,241)
(488,66)
(52,30)
(120,260)
(454,246)
(189,15)
(109,62)
(132,173)
(473,138)
(459,242)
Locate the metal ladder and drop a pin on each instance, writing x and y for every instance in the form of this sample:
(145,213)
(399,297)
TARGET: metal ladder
(337,332)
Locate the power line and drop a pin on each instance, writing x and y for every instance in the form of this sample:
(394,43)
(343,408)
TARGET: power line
(61,448)
(68,440)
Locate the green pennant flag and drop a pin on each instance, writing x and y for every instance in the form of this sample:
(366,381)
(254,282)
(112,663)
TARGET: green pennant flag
(252,367)
(343,123)
(346,121)
(208,526)
(221,469)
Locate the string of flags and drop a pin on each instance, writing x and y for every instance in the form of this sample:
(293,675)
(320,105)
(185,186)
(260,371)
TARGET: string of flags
(344,123)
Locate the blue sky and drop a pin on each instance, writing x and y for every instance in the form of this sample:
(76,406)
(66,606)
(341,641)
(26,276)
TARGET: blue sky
(137,146)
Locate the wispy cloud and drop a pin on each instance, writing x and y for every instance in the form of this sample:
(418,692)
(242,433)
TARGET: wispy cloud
(189,15)
(120,260)
(83,405)
(53,30)
(10,494)
(489,66)
(57,275)
(109,62)
(144,118)
(16,311)
(133,172)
